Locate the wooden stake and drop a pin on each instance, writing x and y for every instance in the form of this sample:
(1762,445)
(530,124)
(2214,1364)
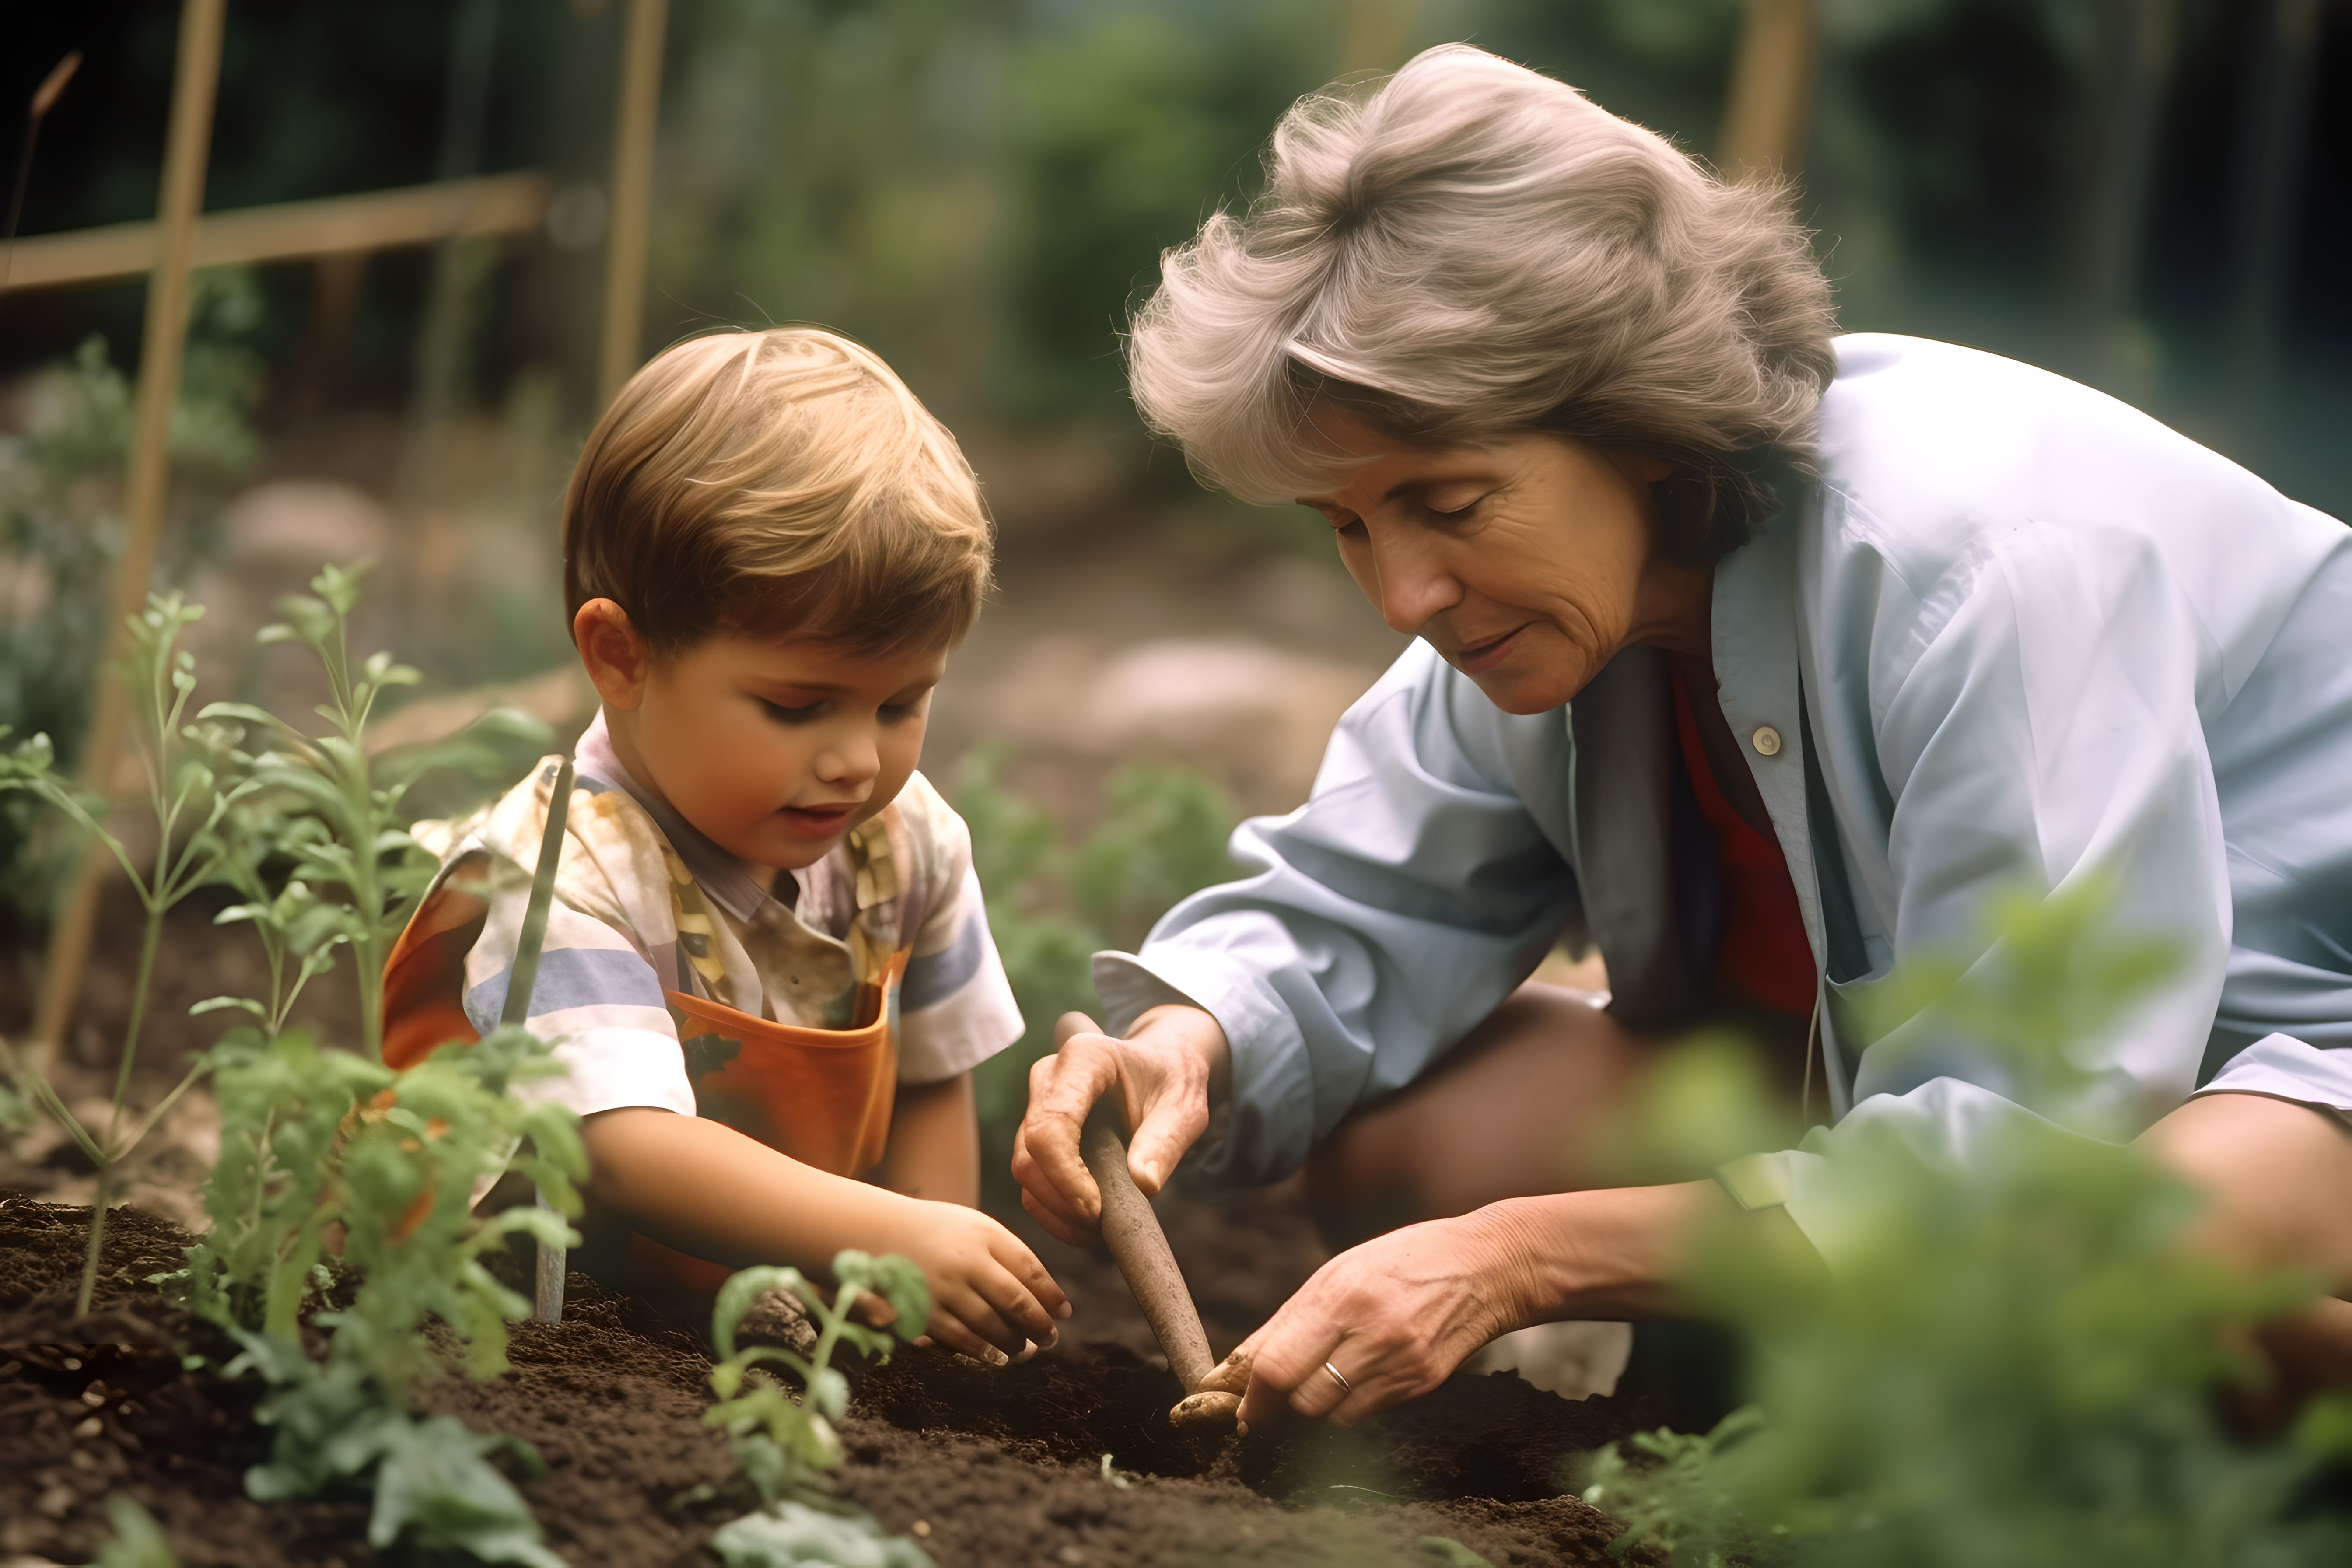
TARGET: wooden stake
(1131,1230)
(1766,114)
(185,150)
(627,237)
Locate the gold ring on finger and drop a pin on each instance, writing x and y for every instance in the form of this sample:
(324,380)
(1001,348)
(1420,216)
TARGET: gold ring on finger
(1341,1378)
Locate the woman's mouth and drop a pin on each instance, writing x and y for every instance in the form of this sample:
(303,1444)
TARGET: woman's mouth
(1474,658)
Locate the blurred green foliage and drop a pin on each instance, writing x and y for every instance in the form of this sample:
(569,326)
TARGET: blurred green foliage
(60,483)
(1052,906)
(2009,1366)
(982,191)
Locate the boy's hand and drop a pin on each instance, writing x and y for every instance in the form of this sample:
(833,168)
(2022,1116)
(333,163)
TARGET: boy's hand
(991,1299)
(1169,1071)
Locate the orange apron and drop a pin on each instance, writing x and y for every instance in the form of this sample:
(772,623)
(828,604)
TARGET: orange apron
(821,1096)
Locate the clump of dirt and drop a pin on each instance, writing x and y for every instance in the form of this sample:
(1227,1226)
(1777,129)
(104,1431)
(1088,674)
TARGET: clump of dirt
(997,1467)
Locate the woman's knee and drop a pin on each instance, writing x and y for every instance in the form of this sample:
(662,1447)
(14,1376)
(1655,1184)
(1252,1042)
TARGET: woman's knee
(1505,1113)
(2277,1177)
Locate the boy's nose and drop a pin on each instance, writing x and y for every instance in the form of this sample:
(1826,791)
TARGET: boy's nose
(851,758)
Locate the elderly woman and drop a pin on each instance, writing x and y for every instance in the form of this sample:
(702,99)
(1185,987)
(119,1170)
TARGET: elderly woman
(1756,656)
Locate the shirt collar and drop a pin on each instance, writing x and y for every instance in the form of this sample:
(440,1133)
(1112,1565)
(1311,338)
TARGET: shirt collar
(721,875)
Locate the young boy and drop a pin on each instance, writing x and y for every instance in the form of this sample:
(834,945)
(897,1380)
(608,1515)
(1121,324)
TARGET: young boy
(767,968)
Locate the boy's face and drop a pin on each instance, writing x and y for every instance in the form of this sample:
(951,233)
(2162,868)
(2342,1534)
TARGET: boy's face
(772,750)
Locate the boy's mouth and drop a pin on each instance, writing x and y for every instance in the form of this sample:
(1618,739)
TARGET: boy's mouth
(818,821)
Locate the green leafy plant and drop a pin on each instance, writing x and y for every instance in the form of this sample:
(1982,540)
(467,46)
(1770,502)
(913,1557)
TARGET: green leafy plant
(344,828)
(185,795)
(315,1138)
(2013,1364)
(786,1447)
(329,1152)
(1052,907)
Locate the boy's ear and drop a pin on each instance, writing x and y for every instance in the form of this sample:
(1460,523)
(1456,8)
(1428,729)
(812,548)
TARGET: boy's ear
(615,656)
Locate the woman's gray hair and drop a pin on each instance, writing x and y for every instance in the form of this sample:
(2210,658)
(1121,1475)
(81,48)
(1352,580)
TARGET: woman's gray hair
(1476,249)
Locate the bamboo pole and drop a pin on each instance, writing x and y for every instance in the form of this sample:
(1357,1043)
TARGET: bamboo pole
(633,182)
(2275,127)
(186,149)
(2139,40)
(288,231)
(1766,114)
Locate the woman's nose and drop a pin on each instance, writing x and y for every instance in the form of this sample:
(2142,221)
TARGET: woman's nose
(1410,580)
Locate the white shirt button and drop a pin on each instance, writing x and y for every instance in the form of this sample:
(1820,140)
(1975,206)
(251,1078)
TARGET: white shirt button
(1767,740)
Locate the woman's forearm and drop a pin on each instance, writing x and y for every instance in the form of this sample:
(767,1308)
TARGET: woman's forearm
(1610,1253)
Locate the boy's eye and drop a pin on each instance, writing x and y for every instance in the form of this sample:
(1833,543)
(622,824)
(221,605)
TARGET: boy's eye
(783,715)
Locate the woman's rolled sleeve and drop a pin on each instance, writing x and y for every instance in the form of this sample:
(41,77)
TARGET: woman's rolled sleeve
(1381,922)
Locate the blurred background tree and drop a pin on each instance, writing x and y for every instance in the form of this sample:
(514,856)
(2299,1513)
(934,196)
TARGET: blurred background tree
(981,187)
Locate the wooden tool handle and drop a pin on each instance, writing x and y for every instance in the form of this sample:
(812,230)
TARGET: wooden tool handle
(1132,1233)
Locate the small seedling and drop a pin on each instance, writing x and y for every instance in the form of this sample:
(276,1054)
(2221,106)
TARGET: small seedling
(786,1447)
(138,1540)
(183,792)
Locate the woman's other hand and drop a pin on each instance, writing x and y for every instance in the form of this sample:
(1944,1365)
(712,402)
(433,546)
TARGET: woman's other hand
(1170,1068)
(1395,1316)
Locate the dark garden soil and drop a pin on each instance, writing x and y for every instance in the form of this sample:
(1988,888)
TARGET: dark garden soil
(986,1467)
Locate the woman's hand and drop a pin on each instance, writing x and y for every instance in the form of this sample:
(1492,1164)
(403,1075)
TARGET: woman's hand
(1398,1314)
(1395,1316)
(991,1299)
(1167,1071)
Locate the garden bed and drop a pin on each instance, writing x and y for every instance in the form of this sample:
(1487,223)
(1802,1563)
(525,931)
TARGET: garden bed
(997,1466)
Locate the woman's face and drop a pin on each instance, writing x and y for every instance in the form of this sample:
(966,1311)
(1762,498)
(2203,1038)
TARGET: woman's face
(1527,561)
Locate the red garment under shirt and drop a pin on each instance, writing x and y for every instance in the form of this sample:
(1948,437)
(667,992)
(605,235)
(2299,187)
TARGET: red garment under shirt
(1763,955)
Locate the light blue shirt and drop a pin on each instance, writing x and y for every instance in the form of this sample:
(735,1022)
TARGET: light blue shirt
(2017,633)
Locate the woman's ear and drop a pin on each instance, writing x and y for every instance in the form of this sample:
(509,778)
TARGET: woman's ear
(616,656)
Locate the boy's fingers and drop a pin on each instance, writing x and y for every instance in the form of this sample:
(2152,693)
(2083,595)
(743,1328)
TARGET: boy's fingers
(970,1309)
(1023,1266)
(950,1335)
(1027,1297)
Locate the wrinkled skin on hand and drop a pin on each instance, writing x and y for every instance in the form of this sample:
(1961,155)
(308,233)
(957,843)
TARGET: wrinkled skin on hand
(1396,1315)
(1166,1073)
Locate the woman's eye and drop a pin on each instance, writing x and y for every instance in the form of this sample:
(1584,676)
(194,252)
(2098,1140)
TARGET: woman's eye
(1456,513)
(1353,528)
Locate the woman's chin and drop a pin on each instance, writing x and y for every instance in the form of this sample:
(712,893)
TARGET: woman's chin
(1525,693)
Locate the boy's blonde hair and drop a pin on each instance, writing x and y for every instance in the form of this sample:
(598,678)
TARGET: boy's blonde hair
(781,483)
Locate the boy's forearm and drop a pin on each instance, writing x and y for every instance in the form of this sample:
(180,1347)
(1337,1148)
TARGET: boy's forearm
(703,1188)
(934,1149)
